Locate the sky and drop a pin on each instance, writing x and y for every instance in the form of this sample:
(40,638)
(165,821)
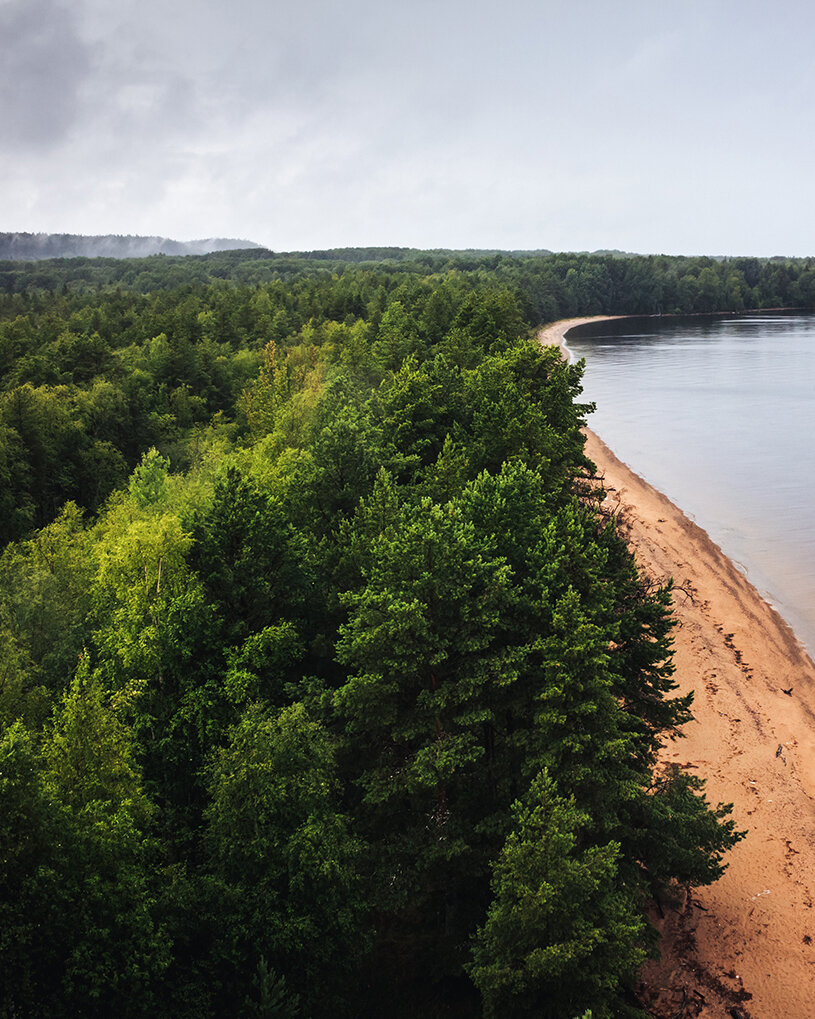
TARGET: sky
(571,125)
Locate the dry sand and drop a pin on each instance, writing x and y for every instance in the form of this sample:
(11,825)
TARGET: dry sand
(744,946)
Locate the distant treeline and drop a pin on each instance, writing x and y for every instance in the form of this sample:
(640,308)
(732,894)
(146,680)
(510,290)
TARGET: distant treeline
(548,286)
(326,687)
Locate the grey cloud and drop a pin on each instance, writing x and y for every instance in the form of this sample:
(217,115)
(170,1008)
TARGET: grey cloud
(43,64)
(554,123)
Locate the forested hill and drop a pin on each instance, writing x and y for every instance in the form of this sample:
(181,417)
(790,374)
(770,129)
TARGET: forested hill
(326,688)
(38,246)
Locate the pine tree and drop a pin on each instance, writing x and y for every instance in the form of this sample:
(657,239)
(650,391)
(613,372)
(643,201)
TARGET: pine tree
(559,935)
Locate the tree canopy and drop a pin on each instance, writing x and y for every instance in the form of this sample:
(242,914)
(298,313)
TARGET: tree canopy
(325,688)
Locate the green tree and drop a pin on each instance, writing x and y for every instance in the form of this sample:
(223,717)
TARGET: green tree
(45,597)
(284,851)
(154,643)
(16,503)
(522,403)
(559,935)
(421,653)
(251,557)
(79,931)
(397,336)
(148,483)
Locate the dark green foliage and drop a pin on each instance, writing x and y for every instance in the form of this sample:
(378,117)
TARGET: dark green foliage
(251,557)
(79,932)
(285,854)
(346,451)
(421,650)
(676,807)
(520,404)
(272,1000)
(559,935)
(100,359)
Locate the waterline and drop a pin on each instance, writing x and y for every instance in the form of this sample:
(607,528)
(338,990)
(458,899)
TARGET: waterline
(719,414)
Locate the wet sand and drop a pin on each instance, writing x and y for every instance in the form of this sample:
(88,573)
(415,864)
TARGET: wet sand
(747,942)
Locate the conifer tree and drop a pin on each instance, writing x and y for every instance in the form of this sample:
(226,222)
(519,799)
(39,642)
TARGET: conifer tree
(559,935)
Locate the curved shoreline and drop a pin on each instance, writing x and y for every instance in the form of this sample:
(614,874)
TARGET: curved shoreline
(748,941)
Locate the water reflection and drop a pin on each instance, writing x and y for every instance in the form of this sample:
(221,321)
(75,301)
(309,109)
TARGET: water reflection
(718,413)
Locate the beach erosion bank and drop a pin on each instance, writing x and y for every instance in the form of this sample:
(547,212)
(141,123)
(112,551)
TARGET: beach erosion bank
(746,942)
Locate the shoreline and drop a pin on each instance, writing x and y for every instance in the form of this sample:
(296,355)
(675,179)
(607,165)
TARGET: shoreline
(746,942)
(730,534)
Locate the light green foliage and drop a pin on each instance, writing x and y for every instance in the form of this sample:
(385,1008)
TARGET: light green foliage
(45,597)
(89,752)
(18,698)
(353,350)
(282,400)
(152,646)
(148,484)
(397,335)
(145,590)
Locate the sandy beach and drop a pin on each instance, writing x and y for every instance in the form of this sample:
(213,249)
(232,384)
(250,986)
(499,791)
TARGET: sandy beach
(744,946)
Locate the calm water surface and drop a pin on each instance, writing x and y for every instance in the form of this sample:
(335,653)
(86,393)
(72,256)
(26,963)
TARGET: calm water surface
(719,415)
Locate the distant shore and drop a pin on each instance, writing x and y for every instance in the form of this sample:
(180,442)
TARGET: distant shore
(748,941)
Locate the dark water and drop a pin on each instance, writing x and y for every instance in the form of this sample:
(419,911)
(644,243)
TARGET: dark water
(719,414)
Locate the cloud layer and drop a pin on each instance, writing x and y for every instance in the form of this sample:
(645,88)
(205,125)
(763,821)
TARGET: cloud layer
(576,125)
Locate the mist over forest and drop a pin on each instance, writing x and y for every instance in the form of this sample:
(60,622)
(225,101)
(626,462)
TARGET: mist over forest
(36,246)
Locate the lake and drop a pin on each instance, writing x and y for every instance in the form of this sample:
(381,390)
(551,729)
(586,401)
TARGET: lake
(719,414)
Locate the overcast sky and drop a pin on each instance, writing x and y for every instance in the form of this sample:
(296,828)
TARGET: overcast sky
(644,125)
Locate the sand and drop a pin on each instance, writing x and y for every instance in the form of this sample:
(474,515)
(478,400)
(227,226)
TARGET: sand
(744,946)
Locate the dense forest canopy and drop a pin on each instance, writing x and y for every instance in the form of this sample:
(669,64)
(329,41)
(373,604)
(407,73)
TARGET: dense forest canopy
(548,285)
(325,687)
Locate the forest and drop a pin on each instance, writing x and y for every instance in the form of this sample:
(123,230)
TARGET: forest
(326,687)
